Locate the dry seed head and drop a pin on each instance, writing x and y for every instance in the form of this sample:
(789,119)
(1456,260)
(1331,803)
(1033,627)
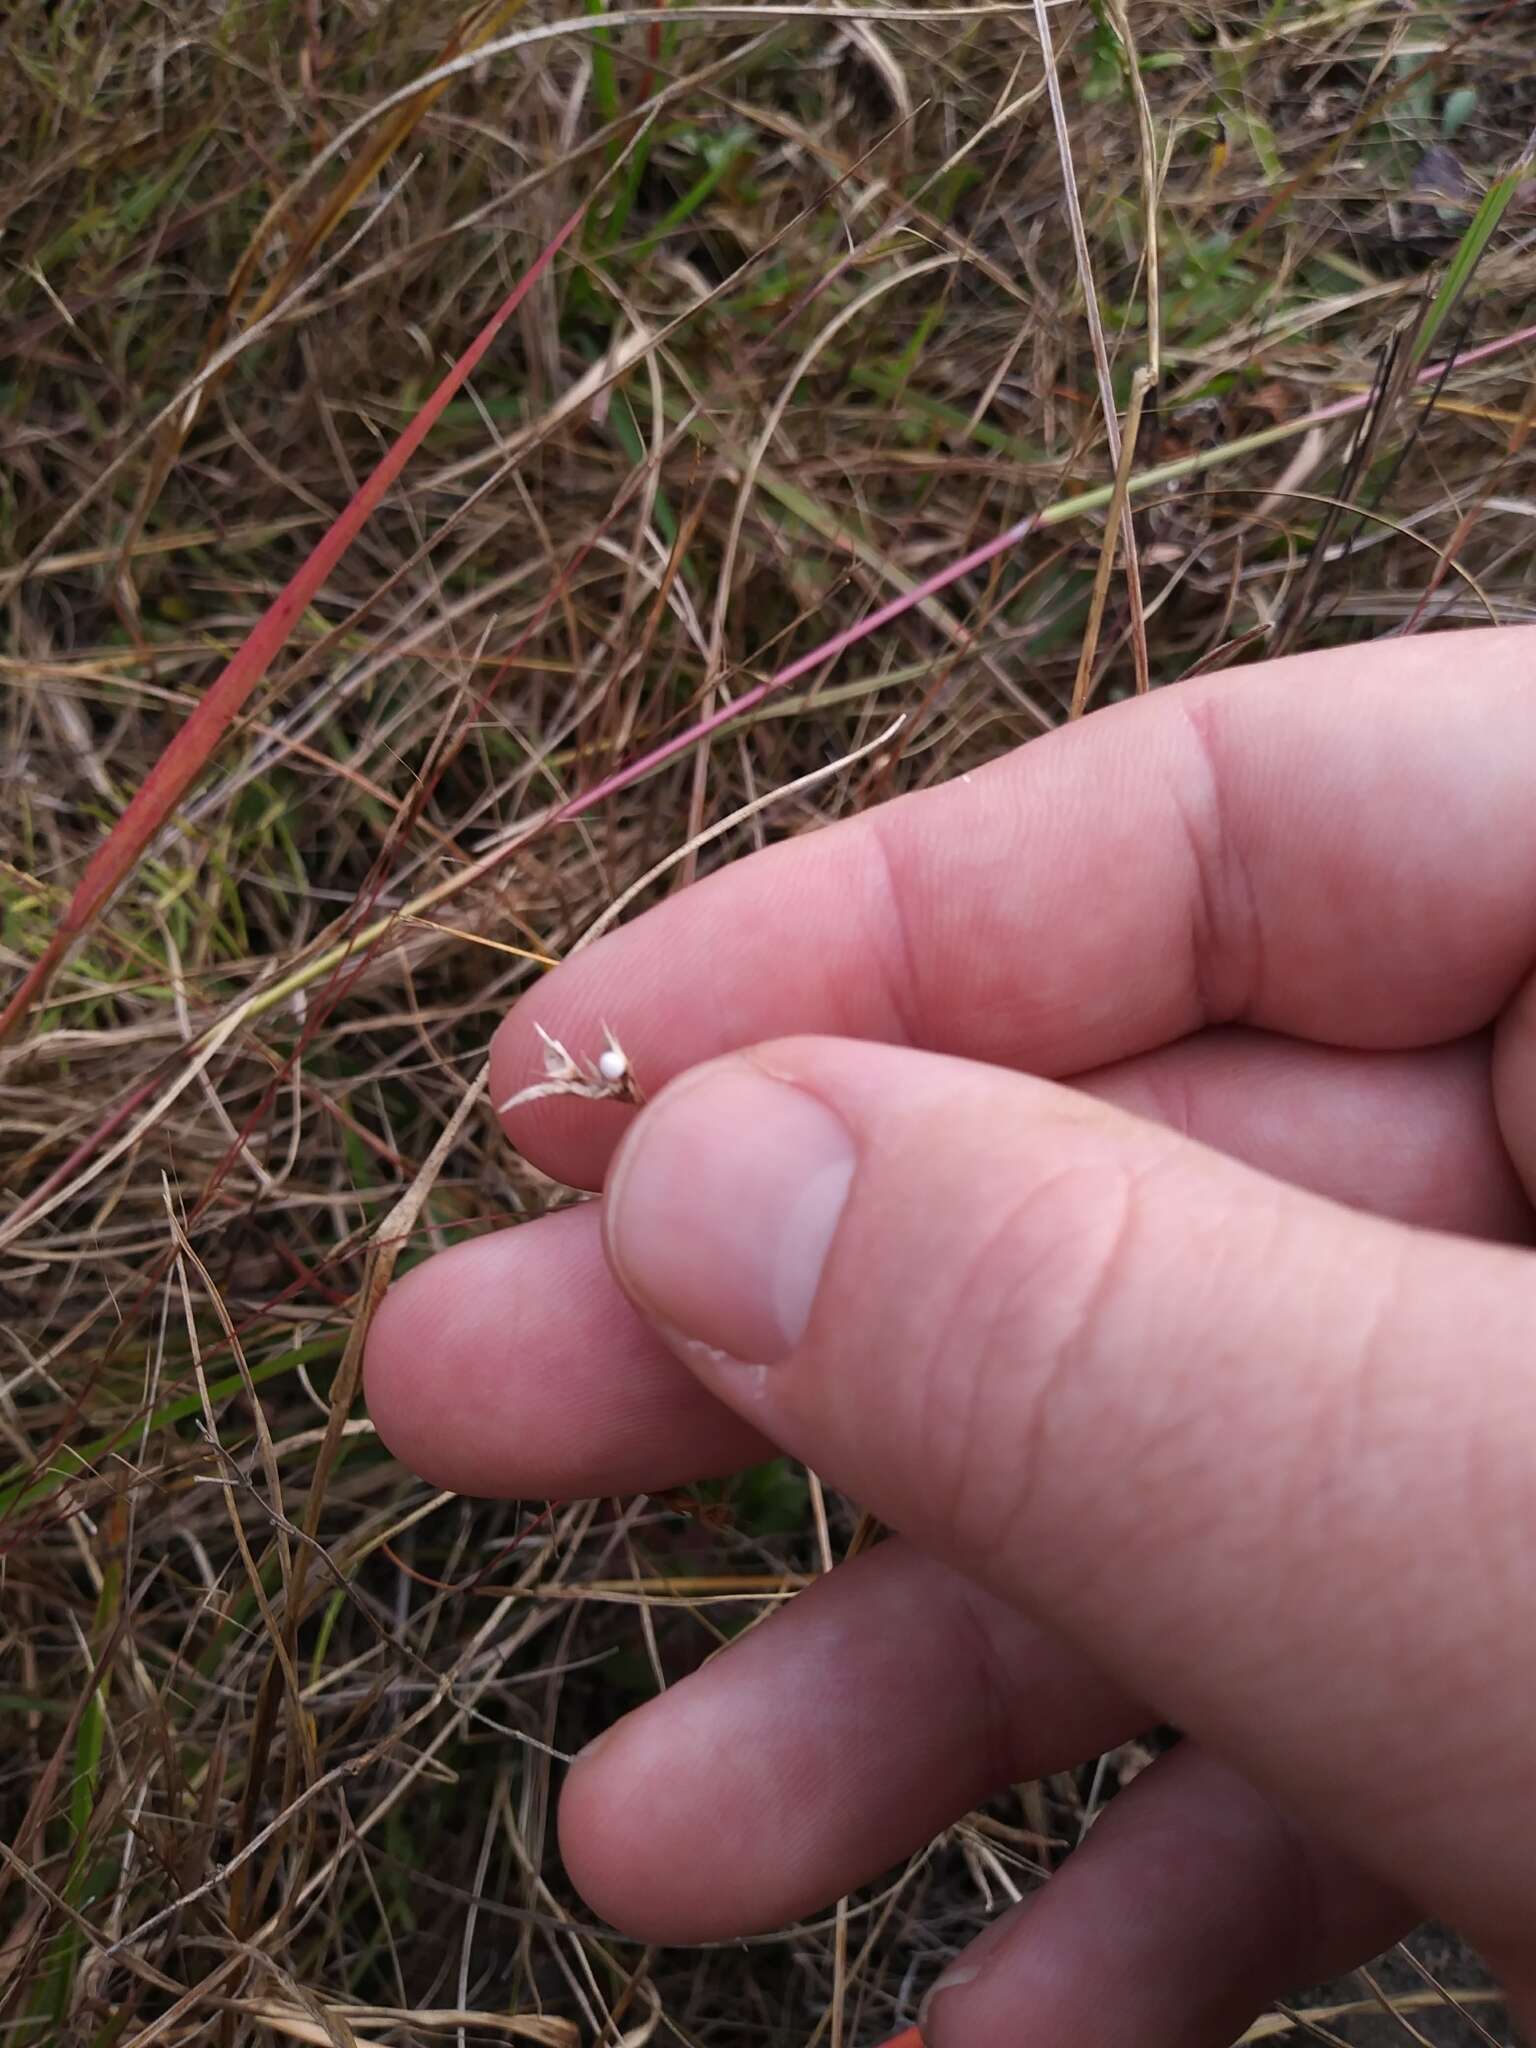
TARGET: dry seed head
(605,1079)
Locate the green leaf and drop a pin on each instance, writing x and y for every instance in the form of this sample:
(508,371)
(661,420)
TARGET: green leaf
(1469,253)
(605,77)
(1458,110)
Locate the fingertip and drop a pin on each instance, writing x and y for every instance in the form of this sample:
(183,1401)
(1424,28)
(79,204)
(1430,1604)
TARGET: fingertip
(400,1337)
(434,1373)
(511,1365)
(567,1137)
(611,1846)
(594,1838)
(1191,1904)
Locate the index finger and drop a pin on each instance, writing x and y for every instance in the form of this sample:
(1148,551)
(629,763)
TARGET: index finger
(1338,847)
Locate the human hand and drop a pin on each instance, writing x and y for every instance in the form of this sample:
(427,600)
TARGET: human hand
(1201,1389)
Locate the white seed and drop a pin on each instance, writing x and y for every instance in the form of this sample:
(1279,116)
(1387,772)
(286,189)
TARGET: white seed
(612,1064)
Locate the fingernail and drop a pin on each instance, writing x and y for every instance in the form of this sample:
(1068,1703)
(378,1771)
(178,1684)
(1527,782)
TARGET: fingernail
(722,1207)
(956,1975)
(600,1741)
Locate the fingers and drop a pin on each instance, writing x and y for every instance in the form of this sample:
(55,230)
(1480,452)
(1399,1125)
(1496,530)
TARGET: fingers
(1297,846)
(1514,1082)
(1266,1461)
(824,1746)
(1191,1906)
(513,1365)
(1410,1135)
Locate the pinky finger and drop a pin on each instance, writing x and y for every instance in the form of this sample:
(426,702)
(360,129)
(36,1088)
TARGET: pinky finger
(1192,1905)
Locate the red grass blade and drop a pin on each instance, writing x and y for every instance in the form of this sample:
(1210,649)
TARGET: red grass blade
(190,750)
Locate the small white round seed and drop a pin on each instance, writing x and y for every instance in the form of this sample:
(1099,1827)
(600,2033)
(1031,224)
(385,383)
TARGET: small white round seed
(612,1064)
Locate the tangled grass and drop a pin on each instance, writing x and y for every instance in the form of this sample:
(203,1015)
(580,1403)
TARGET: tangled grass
(1225,307)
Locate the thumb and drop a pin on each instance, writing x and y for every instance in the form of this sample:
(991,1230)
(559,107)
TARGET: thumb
(1269,1462)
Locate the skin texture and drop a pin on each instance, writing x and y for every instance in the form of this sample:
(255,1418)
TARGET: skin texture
(1116,1170)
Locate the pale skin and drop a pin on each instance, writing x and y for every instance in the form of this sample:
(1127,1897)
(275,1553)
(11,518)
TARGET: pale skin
(1116,1170)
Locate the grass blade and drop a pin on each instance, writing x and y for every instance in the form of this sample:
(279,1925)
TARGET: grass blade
(1469,253)
(190,750)
(605,78)
(478,26)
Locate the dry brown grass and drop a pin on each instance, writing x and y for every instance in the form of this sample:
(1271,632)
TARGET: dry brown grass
(280,1725)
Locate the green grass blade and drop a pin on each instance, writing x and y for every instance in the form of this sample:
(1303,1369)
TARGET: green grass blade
(605,77)
(22,1488)
(1469,253)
